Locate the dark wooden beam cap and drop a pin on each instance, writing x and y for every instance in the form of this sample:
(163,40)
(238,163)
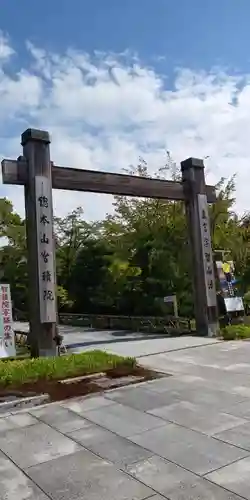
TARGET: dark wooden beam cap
(32,134)
(191,163)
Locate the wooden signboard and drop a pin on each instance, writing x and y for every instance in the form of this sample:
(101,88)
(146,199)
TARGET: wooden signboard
(46,265)
(7,337)
(207,251)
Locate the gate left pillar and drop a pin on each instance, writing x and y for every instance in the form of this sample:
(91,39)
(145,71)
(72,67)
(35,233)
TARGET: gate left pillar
(40,243)
(205,300)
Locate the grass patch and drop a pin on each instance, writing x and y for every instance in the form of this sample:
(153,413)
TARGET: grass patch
(236,332)
(18,372)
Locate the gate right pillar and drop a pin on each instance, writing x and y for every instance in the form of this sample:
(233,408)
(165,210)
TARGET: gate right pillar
(205,301)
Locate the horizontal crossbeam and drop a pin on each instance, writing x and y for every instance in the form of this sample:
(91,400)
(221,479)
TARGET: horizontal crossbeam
(73,179)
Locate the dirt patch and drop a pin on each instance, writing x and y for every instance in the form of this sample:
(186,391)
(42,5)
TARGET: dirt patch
(59,391)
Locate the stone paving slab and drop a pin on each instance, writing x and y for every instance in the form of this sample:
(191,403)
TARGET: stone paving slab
(239,368)
(143,399)
(60,418)
(235,477)
(107,445)
(15,485)
(238,436)
(197,386)
(81,405)
(212,398)
(194,451)
(177,483)
(174,383)
(35,444)
(16,421)
(123,420)
(241,409)
(197,418)
(84,476)
(238,384)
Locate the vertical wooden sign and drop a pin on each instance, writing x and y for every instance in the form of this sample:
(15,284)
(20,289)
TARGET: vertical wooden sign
(45,249)
(205,300)
(207,251)
(40,243)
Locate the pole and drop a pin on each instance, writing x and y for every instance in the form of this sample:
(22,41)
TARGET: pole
(205,300)
(40,243)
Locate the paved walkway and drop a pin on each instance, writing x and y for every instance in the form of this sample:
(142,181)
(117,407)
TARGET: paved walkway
(184,437)
(78,339)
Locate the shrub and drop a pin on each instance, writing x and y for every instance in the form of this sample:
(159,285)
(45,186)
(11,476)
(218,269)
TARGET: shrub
(236,332)
(18,372)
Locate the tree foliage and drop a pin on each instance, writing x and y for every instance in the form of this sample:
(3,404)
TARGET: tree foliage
(126,263)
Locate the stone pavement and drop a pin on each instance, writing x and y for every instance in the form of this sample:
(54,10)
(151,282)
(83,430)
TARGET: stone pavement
(183,437)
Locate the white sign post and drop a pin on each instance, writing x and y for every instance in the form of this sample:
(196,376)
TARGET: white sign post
(7,337)
(171,299)
(46,265)
(207,251)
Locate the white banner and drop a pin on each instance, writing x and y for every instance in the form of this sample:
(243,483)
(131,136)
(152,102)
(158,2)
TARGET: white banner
(7,337)
(207,250)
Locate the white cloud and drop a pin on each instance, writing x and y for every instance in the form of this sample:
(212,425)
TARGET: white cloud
(106,111)
(5,49)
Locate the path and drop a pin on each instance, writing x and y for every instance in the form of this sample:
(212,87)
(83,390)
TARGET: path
(181,437)
(78,339)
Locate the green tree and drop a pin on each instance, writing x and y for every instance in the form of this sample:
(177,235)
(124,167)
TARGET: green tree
(151,236)
(70,234)
(89,278)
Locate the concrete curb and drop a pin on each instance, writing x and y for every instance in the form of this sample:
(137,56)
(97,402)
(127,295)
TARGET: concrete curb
(82,377)
(22,403)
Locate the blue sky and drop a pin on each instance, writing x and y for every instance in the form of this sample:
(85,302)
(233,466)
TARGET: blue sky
(193,33)
(115,79)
